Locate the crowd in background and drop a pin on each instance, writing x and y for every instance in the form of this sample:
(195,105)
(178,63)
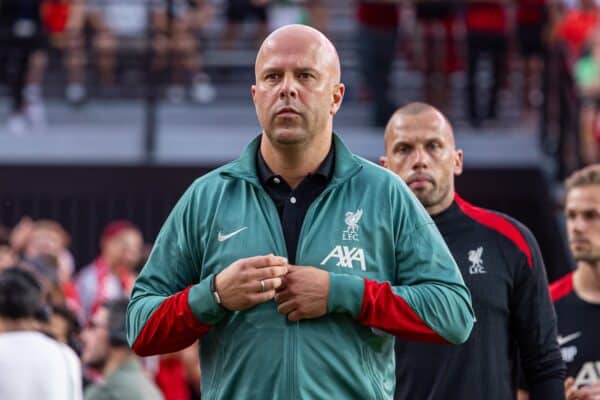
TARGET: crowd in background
(75,298)
(95,40)
(167,35)
(164,34)
(555,42)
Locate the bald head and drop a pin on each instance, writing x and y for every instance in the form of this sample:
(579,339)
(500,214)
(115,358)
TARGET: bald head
(299,38)
(297,91)
(419,115)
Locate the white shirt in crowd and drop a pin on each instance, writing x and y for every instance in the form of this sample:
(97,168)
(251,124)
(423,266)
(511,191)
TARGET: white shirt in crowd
(34,366)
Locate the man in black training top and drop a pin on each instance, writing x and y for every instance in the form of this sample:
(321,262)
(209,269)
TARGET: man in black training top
(500,263)
(576,296)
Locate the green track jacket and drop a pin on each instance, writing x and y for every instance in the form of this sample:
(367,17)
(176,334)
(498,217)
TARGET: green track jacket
(391,274)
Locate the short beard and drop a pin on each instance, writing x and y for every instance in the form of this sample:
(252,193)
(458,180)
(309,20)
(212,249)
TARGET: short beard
(435,197)
(592,259)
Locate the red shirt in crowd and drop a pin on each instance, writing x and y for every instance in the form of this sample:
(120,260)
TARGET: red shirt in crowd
(486,17)
(531,12)
(171,379)
(55,15)
(575,28)
(378,15)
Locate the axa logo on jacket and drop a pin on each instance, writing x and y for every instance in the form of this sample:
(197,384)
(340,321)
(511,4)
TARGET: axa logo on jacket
(346,255)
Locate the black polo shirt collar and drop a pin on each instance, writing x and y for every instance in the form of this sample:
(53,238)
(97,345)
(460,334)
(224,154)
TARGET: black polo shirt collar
(292,204)
(266,176)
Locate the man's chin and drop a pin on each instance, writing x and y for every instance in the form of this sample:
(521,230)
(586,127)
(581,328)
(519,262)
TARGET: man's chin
(586,256)
(424,196)
(288,137)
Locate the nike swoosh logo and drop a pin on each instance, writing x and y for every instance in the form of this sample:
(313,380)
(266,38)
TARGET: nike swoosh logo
(562,340)
(222,238)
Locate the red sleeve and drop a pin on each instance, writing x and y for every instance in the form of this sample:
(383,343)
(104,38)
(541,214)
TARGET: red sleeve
(383,309)
(171,327)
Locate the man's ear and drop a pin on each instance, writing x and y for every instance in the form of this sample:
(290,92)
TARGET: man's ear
(383,161)
(338,97)
(458,162)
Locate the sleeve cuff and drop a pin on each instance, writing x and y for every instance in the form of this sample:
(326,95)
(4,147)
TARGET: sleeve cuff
(346,294)
(203,303)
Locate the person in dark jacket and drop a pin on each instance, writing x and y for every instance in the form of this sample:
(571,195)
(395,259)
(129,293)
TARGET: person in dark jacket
(500,263)
(576,296)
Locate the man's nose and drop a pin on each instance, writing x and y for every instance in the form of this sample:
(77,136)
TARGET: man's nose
(578,224)
(288,87)
(420,159)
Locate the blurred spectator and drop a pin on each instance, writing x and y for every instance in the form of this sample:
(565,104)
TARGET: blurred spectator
(176,25)
(377,38)
(318,14)
(570,34)
(105,348)
(307,12)
(65,270)
(33,365)
(8,257)
(43,245)
(532,20)
(64,21)
(111,275)
(117,25)
(121,25)
(576,26)
(31,239)
(437,19)
(21,34)
(178,375)
(285,12)
(46,237)
(20,234)
(63,325)
(237,12)
(486,23)
(45,267)
(587,77)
